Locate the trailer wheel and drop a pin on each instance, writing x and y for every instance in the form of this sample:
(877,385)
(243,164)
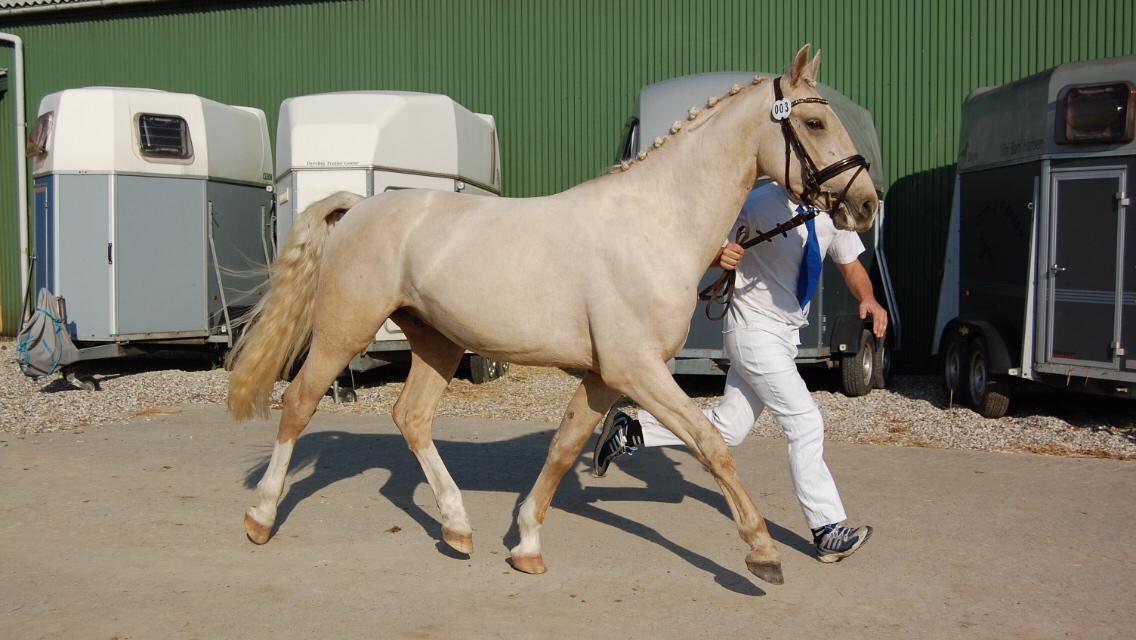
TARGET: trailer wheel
(881,365)
(952,368)
(86,383)
(482,369)
(987,394)
(343,393)
(858,371)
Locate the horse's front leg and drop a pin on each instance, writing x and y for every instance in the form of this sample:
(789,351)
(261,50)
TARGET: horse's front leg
(590,402)
(653,388)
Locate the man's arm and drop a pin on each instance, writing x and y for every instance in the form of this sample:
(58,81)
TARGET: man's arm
(860,284)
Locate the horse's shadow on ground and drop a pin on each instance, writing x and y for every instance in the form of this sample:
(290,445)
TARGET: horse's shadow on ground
(509,466)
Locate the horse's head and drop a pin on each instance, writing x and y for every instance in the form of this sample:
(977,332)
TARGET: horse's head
(816,160)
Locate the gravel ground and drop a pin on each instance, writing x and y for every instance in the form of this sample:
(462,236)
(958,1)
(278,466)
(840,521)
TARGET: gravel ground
(911,412)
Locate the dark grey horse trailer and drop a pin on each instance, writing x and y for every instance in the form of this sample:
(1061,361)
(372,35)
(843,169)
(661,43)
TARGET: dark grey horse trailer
(835,336)
(152,216)
(1039,279)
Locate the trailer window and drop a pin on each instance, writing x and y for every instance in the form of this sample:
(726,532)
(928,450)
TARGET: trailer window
(37,139)
(161,136)
(1096,114)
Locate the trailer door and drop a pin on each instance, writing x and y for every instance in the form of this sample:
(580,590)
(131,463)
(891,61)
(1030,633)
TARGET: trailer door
(1086,246)
(159,256)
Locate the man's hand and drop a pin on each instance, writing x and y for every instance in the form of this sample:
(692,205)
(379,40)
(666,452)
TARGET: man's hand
(860,284)
(730,256)
(869,307)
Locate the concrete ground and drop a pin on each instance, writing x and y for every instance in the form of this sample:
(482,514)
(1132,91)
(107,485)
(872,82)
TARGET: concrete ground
(134,531)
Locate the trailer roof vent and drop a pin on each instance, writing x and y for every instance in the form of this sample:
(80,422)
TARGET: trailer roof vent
(161,136)
(1096,113)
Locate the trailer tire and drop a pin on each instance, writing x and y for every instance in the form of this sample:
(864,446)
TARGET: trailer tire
(343,394)
(953,373)
(858,371)
(986,393)
(482,369)
(86,383)
(881,365)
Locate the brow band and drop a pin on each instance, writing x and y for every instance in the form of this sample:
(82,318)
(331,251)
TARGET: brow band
(809,101)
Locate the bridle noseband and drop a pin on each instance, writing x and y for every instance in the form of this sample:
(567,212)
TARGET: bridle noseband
(812,178)
(813,195)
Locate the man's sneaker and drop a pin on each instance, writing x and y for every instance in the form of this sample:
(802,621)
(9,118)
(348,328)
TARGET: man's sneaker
(834,542)
(621,434)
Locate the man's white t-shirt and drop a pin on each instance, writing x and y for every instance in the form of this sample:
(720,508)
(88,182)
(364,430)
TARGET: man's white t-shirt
(765,292)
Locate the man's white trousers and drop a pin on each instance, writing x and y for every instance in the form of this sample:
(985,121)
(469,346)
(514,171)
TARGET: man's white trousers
(763,375)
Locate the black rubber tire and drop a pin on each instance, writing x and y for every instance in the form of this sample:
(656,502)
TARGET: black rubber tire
(985,393)
(86,383)
(954,372)
(881,365)
(482,369)
(857,370)
(342,394)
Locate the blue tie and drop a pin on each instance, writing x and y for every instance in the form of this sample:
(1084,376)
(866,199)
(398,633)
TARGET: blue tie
(811,264)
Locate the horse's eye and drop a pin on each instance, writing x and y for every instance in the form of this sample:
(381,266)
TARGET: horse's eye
(814,124)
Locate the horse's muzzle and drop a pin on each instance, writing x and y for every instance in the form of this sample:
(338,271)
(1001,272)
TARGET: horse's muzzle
(858,216)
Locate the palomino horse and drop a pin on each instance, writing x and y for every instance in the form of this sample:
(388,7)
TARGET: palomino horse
(601,277)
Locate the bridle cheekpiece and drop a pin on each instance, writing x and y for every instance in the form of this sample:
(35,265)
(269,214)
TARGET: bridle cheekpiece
(812,178)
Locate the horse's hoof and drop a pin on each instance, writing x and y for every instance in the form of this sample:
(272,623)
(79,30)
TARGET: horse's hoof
(767,570)
(256,532)
(461,542)
(529,564)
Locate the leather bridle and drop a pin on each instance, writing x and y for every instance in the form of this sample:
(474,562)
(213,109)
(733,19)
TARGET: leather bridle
(813,194)
(812,178)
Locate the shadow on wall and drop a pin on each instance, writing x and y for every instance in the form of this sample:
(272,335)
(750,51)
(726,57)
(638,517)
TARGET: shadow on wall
(915,239)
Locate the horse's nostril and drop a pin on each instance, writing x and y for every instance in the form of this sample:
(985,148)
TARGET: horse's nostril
(868,209)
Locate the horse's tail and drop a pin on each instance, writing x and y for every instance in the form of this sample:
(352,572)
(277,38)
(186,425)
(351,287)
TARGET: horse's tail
(278,328)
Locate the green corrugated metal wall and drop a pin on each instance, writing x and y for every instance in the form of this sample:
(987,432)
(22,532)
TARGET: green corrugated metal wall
(561,77)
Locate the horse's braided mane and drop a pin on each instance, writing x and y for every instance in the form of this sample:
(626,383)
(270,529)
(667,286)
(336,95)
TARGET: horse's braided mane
(692,116)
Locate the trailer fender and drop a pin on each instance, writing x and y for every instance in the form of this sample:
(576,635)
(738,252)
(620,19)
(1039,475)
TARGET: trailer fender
(969,328)
(845,336)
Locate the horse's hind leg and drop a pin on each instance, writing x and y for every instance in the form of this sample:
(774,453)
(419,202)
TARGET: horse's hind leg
(434,358)
(653,387)
(325,360)
(591,401)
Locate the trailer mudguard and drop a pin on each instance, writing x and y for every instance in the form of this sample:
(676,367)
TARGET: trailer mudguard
(845,331)
(970,326)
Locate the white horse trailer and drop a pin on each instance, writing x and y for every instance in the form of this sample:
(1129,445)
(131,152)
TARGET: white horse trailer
(835,335)
(152,215)
(1039,276)
(368,142)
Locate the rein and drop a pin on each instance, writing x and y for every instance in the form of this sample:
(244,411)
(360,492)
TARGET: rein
(721,291)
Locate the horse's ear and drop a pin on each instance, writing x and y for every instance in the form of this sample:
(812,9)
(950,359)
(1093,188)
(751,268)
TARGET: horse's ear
(800,64)
(812,73)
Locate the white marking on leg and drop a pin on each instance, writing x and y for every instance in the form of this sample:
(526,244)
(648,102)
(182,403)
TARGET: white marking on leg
(530,531)
(446,491)
(271,486)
